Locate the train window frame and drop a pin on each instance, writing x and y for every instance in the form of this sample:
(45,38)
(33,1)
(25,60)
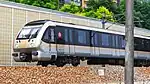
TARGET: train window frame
(86,39)
(137,42)
(95,39)
(146,45)
(113,38)
(47,31)
(66,35)
(108,40)
(122,42)
(52,35)
(117,41)
(61,30)
(71,36)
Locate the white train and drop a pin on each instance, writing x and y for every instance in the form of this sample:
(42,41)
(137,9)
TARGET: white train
(56,43)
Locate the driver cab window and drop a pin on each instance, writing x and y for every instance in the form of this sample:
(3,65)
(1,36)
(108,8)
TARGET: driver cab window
(48,35)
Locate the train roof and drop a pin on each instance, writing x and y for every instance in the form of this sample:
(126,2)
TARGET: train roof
(37,22)
(113,28)
(112,31)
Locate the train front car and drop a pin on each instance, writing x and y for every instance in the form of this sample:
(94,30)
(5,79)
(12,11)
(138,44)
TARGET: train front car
(29,47)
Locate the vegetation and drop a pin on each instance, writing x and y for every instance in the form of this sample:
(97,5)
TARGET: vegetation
(99,9)
(99,13)
(141,13)
(71,8)
(51,4)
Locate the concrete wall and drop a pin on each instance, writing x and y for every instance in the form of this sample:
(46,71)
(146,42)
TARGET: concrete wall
(13,16)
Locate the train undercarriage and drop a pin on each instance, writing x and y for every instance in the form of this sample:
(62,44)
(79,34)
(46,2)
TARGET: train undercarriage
(75,61)
(60,61)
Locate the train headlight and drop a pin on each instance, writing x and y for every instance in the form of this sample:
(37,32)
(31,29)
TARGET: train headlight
(31,44)
(16,45)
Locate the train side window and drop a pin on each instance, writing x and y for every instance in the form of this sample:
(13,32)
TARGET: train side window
(47,36)
(105,40)
(82,37)
(52,35)
(114,41)
(117,41)
(95,39)
(66,36)
(122,42)
(143,47)
(88,38)
(60,35)
(138,44)
(146,45)
(92,39)
(71,36)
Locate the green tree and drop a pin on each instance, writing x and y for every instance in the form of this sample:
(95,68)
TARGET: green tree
(71,8)
(119,14)
(102,12)
(90,13)
(109,4)
(51,4)
(141,13)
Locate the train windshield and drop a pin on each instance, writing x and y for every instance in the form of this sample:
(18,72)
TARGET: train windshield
(27,33)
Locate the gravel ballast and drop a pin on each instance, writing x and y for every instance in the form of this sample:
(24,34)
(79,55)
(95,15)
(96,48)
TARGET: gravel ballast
(66,75)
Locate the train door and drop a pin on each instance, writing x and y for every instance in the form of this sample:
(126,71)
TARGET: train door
(52,46)
(95,42)
(48,42)
(66,46)
(62,40)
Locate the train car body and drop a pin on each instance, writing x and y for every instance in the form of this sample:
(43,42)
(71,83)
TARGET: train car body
(56,43)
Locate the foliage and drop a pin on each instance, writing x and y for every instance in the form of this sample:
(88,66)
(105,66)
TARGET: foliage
(71,8)
(90,13)
(51,4)
(141,13)
(119,14)
(103,12)
(95,10)
(95,4)
(99,13)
